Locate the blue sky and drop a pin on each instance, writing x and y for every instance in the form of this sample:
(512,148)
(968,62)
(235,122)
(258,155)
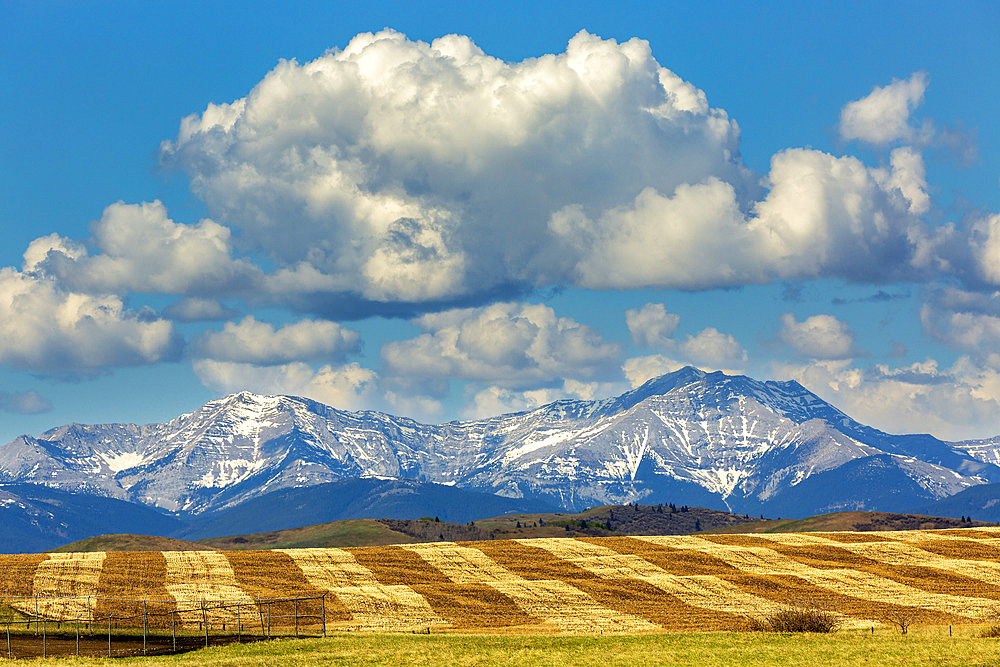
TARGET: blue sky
(490,221)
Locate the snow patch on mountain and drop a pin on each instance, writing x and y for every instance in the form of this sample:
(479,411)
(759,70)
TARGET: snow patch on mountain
(118,461)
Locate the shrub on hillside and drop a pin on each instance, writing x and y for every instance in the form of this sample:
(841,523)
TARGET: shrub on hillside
(793,620)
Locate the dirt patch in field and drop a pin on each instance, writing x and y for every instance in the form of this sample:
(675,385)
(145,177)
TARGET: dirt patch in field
(464,605)
(26,646)
(624,595)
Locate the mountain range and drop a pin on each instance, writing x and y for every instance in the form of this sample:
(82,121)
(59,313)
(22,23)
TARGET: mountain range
(710,439)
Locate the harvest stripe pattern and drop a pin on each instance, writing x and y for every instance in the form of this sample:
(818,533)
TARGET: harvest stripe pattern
(594,584)
(371,604)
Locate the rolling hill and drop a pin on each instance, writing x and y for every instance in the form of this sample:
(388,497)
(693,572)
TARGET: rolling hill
(614,520)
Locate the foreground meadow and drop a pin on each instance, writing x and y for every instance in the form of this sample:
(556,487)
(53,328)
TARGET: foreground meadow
(925,646)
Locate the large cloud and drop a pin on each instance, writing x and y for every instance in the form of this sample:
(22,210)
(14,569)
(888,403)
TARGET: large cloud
(255,342)
(47,329)
(405,171)
(510,345)
(883,115)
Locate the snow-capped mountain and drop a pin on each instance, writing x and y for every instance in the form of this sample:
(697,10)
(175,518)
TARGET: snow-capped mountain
(986,450)
(689,436)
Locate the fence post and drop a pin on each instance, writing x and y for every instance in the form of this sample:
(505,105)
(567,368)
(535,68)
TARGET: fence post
(145,624)
(323,599)
(269,618)
(8,639)
(109,634)
(44,646)
(78,636)
(89,629)
(36,613)
(204,617)
(295,604)
(239,625)
(260,613)
(173,628)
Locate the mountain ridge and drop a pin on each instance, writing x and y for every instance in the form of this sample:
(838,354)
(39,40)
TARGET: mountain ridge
(724,441)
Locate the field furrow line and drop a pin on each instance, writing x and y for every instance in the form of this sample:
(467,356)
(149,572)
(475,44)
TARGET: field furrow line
(704,591)
(968,543)
(75,575)
(779,588)
(917,572)
(19,573)
(265,575)
(371,604)
(193,576)
(979,533)
(622,598)
(465,604)
(906,554)
(126,578)
(763,561)
(551,602)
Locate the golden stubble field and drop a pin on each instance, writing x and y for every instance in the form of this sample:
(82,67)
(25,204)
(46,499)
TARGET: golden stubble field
(609,585)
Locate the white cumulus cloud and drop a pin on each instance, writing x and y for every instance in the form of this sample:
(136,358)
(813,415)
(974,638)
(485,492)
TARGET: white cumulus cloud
(883,115)
(401,171)
(511,345)
(348,387)
(255,342)
(404,171)
(640,369)
(44,328)
(961,402)
(818,336)
(823,216)
(651,325)
(712,348)
(986,248)
(142,250)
